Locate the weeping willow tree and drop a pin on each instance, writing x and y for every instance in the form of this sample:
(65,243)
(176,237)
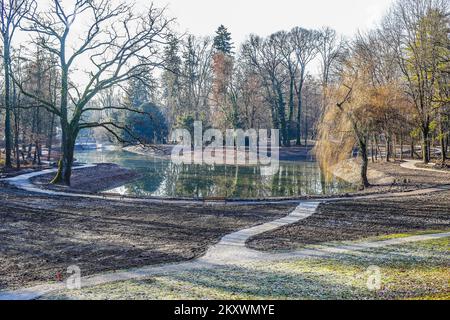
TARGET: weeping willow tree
(359,105)
(348,118)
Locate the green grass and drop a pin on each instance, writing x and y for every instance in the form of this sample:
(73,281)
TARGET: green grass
(413,271)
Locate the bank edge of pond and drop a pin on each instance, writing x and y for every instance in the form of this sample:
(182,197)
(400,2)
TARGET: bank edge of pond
(286,154)
(94,181)
(91,182)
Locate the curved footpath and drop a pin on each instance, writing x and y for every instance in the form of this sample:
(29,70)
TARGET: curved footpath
(231,250)
(411,164)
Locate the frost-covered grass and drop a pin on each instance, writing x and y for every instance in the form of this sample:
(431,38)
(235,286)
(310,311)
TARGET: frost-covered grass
(413,271)
(405,235)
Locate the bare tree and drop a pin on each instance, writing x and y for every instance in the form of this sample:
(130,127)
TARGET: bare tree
(305,47)
(330,48)
(118,44)
(12,12)
(266,56)
(196,76)
(416,30)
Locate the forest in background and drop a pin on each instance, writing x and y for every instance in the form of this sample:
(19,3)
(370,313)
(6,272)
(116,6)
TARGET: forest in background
(384,90)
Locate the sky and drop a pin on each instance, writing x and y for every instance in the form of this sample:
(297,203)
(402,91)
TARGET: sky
(263,17)
(244,17)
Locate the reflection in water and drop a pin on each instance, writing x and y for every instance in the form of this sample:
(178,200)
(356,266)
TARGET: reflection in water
(162,178)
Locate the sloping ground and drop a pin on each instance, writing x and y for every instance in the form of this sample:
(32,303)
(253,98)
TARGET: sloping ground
(356,219)
(42,236)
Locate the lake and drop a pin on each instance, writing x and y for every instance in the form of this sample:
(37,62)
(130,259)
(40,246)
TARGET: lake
(162,178)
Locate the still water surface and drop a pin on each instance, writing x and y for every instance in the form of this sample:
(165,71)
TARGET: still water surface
(162,178)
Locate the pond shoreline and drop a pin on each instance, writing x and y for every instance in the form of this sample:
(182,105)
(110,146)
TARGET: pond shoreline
(287,154)
(93,181)
(108,177)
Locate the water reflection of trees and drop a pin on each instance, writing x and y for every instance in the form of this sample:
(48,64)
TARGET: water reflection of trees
(164,178)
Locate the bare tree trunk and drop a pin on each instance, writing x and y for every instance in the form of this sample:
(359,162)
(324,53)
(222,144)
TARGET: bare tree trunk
(388,148)
(442,141)
(306,129)
(50,138)
(425,145)
(282,114)
(372,151)
(401,146)
(447,144)
(299,113)
(364,164)
(66,163)
(16,128)
(291,108)
(377,147)
(7,101)
(394,147)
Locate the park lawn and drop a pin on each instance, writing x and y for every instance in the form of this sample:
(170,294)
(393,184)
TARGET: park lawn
(411,271)
(405,235)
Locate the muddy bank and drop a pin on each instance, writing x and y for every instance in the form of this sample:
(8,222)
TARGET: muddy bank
(286,154)
(160,151)
(91,180)
(41,235)
(359,219)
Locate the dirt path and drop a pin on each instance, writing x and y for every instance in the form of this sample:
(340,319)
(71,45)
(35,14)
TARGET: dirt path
(411,165)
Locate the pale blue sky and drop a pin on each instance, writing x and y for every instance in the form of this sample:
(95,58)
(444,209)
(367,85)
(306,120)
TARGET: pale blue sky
(263,17)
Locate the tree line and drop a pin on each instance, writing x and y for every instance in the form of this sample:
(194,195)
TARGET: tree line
(382,89)
(392,88)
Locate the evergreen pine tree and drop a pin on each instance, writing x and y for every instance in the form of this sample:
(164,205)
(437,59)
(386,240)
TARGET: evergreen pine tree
(222,41)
